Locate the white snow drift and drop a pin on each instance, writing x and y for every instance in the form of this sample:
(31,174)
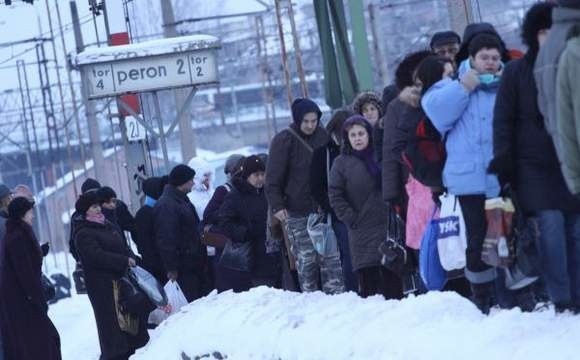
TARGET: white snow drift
(273,324)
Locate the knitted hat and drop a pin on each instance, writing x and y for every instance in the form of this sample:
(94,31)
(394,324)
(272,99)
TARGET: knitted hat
(85,201)
(181,174)
(444,38)
(105,194)
(233,164)
(18,207)
(90,184)
(365,98)
(250,165)
(153,186)
(4,191)
(301,107)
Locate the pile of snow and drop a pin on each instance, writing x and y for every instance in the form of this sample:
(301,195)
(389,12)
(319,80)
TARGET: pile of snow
(272,324)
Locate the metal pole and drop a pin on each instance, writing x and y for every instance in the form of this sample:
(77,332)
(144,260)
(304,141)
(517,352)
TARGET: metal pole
(259,37)
(298,52)
(186,132)
(381,64)
(283,54)
(71,88)
(62,105)
(460,14)
(161,132)
(268,75)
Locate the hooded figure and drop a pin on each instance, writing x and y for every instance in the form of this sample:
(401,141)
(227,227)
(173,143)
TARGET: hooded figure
(288,190)
(470,32)
(144,228)
(355,197)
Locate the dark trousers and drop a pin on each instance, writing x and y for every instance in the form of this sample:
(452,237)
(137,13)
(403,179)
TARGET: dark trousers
(378,280)
(192,284)
(473,208)
(559,249)
(341,232)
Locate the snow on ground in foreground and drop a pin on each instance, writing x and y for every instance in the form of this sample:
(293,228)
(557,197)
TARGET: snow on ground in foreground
(75,322)
(273,324)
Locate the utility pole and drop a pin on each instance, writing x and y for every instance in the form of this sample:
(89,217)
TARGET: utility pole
(186,133)
(137,166)
(460,14)
(62,105)
(381,64)
(263,70)
(297,52)
(72,90)
(284,55)
(90,108)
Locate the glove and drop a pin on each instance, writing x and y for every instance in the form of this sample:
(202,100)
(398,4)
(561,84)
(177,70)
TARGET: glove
(502,166)
(470,80)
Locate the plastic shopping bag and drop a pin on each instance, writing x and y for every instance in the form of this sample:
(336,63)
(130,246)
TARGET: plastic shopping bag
(176,301)
(498,246)
(451,239)
(433,275)
(319,227)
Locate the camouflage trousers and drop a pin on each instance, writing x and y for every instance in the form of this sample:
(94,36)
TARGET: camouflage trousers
(313,268)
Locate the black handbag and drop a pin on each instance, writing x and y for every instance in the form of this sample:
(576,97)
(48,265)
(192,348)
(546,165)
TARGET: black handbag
(237,256)
(395,254)
(132,299)
(48,289)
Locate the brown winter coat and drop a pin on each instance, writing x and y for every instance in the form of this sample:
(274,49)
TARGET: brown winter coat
(288,177)
(105,257)
(357,201)
(27,332)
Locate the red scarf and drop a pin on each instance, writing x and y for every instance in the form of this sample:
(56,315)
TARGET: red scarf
(97,218)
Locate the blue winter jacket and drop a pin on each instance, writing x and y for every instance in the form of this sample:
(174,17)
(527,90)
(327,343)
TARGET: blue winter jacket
(466,119)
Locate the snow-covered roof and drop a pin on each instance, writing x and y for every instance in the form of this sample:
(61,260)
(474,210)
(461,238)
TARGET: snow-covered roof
(147,48)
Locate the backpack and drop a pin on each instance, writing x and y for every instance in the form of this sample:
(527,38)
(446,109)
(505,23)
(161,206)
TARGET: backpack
(425,154)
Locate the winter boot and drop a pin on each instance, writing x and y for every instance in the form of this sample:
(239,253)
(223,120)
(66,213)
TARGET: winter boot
(482,296)
(564,308)
(526,299)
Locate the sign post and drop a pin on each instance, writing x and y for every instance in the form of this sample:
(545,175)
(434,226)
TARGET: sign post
(181,62)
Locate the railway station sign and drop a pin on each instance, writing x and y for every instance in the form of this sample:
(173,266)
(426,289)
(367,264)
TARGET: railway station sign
(148,66)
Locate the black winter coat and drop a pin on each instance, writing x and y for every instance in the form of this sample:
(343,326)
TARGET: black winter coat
(243,217)
(145,241)
(177,232)
(524,154)
(358,203)
(288,179)
(104,256)
(394,174)
(211,212)
(319,175)
(27,332)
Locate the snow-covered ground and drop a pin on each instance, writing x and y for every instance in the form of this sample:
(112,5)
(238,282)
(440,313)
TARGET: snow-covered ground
(273,324)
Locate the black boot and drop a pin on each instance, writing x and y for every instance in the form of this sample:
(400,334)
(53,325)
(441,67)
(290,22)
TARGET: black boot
(481,296)
(564,307)
(526,299)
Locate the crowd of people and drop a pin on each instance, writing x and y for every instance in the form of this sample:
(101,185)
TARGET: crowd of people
(313,214)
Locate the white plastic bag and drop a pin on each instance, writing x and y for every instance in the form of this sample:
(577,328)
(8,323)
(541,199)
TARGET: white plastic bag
(452,239)
(176,300)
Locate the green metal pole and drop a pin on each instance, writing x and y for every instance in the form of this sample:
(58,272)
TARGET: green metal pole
(362,54)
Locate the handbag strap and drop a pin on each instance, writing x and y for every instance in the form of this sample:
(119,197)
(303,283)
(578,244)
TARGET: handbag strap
(306,145)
